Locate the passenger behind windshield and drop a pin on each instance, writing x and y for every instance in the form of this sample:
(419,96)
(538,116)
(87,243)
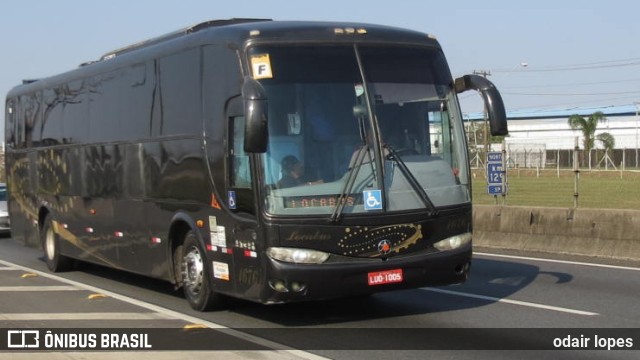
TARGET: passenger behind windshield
(293,173)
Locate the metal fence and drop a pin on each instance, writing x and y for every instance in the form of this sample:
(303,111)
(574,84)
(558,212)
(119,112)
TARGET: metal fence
(616,159)
(535,156)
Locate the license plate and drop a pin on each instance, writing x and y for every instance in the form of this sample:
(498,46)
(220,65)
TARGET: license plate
(385,277)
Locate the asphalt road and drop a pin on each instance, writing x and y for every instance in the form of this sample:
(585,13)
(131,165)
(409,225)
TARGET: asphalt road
(506,299)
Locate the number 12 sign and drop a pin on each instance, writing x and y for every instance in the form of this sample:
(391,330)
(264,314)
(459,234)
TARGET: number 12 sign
(495,174)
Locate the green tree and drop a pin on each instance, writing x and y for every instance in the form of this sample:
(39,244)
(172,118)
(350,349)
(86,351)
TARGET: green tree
(607,140)
(587,127)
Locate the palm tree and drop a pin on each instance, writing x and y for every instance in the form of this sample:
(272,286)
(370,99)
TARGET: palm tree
(607,140)
(588,127)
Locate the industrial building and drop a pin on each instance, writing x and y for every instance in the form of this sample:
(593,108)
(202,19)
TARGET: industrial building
(547,131)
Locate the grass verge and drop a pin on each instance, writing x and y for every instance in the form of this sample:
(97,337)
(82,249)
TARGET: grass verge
(596,189)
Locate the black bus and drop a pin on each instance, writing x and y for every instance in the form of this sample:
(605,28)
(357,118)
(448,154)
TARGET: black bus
(265,160)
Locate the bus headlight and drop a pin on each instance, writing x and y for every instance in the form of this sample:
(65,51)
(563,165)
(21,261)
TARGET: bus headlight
(297,256)
(453,242)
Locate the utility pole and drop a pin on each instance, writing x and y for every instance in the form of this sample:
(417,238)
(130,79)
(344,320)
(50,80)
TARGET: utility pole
(637,105)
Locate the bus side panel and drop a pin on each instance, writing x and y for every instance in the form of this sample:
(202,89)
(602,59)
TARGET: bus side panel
(20,167)
(71,198)
(77,186)
(21,202)
(133,212)
(175,181)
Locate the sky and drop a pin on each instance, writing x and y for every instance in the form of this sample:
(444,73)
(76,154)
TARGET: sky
(543,54)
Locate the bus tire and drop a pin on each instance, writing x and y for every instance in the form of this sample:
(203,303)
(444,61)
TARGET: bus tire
(56,262)
(195,275)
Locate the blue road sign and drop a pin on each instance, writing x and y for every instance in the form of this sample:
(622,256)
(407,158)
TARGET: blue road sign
(494,189)
(495,174)
(494,157)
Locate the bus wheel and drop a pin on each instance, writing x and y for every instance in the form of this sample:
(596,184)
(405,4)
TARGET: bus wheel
(196,281)
(51,246)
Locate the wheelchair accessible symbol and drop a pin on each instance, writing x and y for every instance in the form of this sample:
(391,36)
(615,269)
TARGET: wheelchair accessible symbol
(232,200)
(372,199)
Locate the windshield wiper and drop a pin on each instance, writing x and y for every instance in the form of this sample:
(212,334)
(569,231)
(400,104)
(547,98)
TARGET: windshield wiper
(393,155)
(348,184)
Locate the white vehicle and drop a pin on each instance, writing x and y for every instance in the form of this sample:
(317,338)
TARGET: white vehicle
(5,225)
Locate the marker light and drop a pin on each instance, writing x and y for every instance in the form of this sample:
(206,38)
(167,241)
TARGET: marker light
(453,242)
(349,31)
(297,256)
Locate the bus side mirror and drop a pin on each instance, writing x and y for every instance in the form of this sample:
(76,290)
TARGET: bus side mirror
(256,131)
(492,101)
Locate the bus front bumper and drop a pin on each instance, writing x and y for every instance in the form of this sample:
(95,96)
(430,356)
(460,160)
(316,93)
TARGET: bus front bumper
(288,282)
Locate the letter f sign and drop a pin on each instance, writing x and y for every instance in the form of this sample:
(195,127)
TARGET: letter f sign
(261,66)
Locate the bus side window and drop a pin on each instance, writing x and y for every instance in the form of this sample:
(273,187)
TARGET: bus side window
(240,170)
(10,124)
(22,120)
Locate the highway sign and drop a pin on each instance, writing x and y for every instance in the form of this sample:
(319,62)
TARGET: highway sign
(495,173)
(496,181)
(494,157)
(496,189)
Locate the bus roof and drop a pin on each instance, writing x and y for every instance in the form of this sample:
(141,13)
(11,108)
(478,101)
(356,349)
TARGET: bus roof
(233,31)
(177,34)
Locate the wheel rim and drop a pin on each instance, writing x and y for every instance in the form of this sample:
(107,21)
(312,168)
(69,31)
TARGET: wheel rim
(50,244)
(192,271)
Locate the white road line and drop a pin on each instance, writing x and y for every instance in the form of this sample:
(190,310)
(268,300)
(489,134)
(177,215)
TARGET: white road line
(40,288)
(84,316)
(5,268)
(559,261)
(513,302)
(280,348)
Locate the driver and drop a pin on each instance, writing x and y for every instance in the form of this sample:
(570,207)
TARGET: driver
(293,173)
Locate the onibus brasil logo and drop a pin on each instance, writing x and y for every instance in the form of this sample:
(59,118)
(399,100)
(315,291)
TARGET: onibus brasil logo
(32,339)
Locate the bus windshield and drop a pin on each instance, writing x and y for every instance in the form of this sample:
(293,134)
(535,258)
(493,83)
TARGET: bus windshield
(363,128)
